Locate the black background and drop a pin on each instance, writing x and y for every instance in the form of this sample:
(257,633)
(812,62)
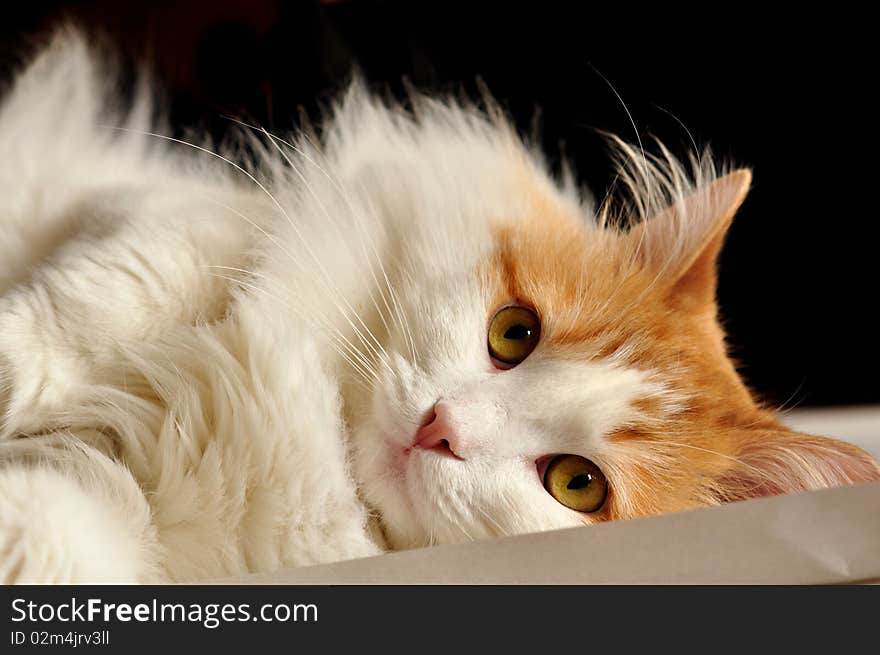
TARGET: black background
(788,95)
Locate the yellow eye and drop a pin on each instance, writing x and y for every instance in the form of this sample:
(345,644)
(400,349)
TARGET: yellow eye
(513,334)
(576,482)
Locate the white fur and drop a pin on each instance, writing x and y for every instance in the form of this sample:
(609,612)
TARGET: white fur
(207,372)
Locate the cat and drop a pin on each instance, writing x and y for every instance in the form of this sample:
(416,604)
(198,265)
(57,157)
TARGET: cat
(395,331)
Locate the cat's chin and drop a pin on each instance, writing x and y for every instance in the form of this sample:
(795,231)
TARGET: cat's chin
(397,480)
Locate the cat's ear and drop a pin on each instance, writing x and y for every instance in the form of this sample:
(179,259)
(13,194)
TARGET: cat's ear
(778,462)
(682,243)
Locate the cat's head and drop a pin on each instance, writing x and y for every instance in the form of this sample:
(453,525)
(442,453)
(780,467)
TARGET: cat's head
(544,368)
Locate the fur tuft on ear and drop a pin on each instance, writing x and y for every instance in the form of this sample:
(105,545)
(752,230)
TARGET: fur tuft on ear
(682,242)
(781,462)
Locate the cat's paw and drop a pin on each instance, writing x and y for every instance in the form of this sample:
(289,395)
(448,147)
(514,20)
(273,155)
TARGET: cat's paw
(53,532)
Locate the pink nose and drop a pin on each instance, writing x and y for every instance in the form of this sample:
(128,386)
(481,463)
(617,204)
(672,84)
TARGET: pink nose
(437,433)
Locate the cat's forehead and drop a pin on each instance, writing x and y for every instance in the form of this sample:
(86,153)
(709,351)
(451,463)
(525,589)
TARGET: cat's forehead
(578,276)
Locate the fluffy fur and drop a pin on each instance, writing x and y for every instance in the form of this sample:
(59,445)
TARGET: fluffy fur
(210,367)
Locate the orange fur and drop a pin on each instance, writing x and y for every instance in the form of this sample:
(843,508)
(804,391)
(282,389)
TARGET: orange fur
(600,296)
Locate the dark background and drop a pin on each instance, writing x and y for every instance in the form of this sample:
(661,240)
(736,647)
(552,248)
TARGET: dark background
(788,95)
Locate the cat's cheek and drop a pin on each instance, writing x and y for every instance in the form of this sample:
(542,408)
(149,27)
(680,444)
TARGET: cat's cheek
(381,468)
(403,510)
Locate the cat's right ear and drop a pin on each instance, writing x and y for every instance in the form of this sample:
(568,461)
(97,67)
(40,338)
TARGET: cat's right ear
(682,243)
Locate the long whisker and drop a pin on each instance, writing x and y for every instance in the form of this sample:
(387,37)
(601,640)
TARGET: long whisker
(281,247)
(330,220)
(274,200)
(683,126)
(401,318)
(625,108)
(782,409)
(732,458)
(359,364)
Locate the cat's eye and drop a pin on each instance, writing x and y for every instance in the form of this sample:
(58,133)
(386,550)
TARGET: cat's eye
(576,482)
(513,335)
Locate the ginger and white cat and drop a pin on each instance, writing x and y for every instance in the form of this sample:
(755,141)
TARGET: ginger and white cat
(399,332)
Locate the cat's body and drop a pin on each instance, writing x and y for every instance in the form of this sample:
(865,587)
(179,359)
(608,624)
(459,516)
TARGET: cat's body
(118,256)
(206,372)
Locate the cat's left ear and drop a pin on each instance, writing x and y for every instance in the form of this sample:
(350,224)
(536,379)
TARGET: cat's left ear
(781,461)
(682,242)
